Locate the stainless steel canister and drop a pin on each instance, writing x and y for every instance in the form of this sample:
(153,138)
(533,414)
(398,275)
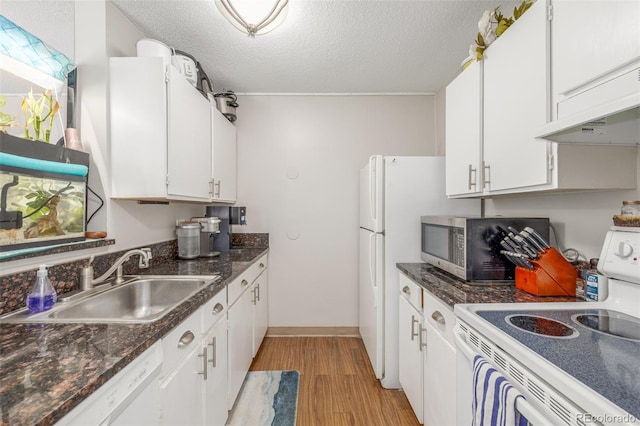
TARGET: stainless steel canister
(188,234)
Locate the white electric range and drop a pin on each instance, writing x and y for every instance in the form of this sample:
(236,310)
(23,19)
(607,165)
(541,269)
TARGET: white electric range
(574,363)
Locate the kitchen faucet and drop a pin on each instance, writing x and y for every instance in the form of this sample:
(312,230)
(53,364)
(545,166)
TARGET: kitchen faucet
(88,282)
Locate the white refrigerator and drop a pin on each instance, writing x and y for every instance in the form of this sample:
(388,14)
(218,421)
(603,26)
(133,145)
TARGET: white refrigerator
(394,193)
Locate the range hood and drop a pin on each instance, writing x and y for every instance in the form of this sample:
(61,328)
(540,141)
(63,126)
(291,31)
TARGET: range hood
(607,112)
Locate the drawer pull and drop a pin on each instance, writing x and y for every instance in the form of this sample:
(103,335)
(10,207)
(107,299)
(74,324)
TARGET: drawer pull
(261,265)
(186,339)
(438,317)
(406,290)
(218,308)
(244,283)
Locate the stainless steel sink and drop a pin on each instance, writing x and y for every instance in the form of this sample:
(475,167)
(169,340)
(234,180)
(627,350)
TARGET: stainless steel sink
(139,300)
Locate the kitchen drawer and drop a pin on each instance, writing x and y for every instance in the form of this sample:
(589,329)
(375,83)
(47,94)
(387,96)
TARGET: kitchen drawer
(439,315)
(214,310)
(412,291)
(237,287)
(181,341)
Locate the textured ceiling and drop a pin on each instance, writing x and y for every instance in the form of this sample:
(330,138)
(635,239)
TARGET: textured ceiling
(366,46)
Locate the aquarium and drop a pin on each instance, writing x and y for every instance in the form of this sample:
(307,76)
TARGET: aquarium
(43,194)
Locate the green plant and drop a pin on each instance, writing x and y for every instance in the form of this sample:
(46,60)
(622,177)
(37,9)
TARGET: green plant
(6,120)
(38,113)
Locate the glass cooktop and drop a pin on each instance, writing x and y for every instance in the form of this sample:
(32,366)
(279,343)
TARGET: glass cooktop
(598,347)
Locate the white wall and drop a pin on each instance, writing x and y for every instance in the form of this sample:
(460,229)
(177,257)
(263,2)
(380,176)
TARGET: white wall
(298,164)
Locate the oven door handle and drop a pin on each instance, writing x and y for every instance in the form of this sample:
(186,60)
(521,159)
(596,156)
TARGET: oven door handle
(522,405)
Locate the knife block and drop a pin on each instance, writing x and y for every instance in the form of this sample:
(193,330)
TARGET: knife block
(552,276)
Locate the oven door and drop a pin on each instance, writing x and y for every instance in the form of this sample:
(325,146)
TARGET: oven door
(469,343)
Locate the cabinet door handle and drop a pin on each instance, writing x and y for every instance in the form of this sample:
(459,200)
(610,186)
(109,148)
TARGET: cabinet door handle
(254,299)
(214,354)
(211,184)
(406,290)
(204,363)
(258,292)
(438,317)
(486,174)
(422,343)
(472,171)
(244,283)
(186,339)
(218,184)
(413,323)
(218,308)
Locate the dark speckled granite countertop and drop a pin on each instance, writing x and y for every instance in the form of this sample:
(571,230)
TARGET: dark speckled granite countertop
(452,290)
(46,370)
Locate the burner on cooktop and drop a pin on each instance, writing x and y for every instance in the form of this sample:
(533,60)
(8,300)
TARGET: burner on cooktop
(542,326)
(613,325)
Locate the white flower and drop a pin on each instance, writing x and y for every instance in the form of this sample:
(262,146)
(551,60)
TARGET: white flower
(472,50)
(486,28)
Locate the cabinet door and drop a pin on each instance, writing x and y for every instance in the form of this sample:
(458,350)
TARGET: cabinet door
(516,105)
(181,392)
(582,52)
(224,158)
(439,380)
(138,126)
(240,343)
(189,140)
(463,135)
(410,355)
(260,310)
(215,395)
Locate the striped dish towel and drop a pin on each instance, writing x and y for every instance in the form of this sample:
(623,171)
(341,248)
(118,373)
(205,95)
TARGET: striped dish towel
(494,398)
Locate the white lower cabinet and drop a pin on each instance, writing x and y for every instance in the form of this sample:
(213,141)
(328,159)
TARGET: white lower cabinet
(260,310)
(240,340)
(440,363)
(182,368)
(181,402)
(248,322)
(214,347)
(194,383)
(427,354)
(410,344)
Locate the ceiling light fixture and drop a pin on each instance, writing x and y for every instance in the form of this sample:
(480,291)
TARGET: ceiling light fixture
(245,11)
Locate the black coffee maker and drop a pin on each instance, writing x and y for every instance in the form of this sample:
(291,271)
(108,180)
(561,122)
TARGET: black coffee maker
(228,216)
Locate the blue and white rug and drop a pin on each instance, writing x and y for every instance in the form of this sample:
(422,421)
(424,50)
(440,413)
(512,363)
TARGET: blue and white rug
(267,398)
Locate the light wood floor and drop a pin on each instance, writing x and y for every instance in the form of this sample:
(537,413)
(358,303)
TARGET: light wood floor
(337,383)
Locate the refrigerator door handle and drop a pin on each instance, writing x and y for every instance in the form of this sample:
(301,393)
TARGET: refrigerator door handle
(372,260)
(372,189)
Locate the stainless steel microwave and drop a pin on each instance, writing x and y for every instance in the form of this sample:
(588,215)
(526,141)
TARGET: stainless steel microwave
(469,247)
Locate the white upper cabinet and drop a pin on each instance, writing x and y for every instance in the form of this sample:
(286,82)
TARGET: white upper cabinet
(224,158)
(464,132)
(160,133)
(499,152)
(515,103)
(591,39)
(189,140)
(595,96)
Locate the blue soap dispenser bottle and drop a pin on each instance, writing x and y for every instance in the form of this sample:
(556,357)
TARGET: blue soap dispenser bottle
(42,296)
